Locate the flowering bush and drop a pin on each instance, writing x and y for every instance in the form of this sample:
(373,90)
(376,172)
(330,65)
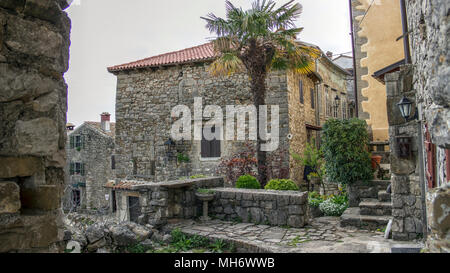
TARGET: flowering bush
(245,162)
(331,207)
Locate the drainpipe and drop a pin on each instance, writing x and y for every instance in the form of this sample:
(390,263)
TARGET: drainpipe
(405,32)
(355,81)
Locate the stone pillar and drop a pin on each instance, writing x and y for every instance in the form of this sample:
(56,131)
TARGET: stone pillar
(406,189)
(34,54)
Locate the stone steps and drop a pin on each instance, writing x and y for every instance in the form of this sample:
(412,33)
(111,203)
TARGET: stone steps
(383,196)
(353,217)
(375,207)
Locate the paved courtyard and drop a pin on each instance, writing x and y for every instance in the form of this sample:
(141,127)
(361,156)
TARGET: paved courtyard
(322,235)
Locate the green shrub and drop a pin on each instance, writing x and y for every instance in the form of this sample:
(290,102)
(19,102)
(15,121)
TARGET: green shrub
(247,182)
(315,199)
(281,185)
(344,147)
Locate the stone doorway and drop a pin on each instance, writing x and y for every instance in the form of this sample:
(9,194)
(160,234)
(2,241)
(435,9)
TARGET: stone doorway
(133,208)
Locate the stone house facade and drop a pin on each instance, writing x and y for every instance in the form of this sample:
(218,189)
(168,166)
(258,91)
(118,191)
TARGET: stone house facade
(376,27)
(90,165)
(148,89)
(34,54)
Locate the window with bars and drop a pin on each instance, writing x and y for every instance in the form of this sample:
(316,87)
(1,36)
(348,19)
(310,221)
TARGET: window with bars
(210,148)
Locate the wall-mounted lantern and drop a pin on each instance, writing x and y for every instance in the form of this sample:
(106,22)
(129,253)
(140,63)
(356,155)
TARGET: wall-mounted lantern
(403,146)
(405,106)
(170,148)
(337,101)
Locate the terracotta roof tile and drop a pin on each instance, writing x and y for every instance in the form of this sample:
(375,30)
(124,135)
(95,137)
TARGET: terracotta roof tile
(123,185)
(98,125)
(194,54)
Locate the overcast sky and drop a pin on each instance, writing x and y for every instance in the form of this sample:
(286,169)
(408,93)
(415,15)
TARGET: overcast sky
(111,32)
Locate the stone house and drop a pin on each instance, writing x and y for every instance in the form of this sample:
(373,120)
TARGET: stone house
(90,164)
(148,89)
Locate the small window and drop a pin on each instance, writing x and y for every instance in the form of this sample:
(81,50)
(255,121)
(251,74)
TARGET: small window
(313,105)
(210,148)
(76,168)
(76,142)
(300,84)
(113,162)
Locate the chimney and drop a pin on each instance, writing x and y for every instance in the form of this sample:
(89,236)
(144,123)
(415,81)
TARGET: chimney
(105,118)
(70,127)
(329,54)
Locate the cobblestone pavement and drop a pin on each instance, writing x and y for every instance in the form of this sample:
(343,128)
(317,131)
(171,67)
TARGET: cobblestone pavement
(322,235)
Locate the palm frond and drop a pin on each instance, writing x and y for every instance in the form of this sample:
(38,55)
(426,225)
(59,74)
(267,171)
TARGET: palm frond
(227,64)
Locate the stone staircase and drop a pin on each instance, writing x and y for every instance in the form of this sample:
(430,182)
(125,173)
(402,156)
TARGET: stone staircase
(374,210)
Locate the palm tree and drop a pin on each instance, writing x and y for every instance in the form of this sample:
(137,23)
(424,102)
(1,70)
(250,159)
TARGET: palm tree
(257,41)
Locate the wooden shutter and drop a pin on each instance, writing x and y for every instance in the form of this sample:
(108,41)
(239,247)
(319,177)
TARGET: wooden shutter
(72,142)
(72,168)
(113,162)
(447,159)
(431,159)
(82,142)
(82,169)
(312,98)
(301,91)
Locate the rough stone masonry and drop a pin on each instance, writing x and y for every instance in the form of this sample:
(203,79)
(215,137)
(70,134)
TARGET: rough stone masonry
(34,54)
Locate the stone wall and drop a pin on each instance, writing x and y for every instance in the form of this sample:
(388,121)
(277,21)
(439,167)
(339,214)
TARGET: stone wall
(95,154)
(34,54)
(162,201)
(430,57)
(407,202)
(277,208)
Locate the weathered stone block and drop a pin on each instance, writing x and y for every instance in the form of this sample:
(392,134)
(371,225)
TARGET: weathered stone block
(296,221)
(12,4)
(282,200)
(43,197)
(19,166)
(33,39)
(296,209)
(9,197)
(43,9)
(397,225)
(400,184)
(37,137)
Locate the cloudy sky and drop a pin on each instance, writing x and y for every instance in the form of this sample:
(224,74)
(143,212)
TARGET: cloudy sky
(111,32)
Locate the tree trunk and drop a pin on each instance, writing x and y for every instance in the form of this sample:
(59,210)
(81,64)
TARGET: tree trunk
(255,60)
(258,87)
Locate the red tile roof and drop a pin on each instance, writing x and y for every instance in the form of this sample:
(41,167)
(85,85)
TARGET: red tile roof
(98,125)
(123,185)
(194,54)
